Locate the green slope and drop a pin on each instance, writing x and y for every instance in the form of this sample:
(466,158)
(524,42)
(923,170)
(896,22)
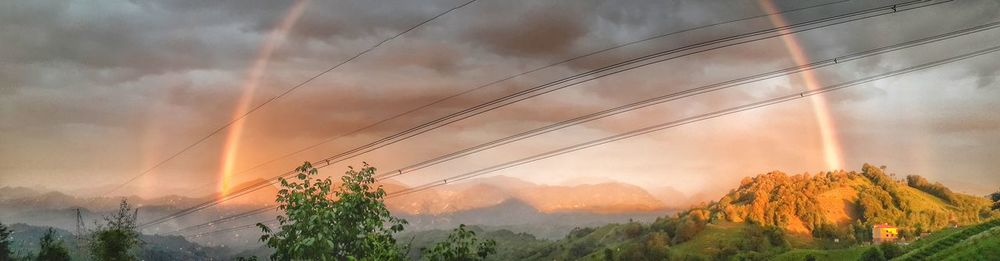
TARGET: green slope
(959,243)
(853,253)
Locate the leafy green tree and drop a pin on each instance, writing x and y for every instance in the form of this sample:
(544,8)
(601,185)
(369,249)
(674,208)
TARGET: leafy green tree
(320,223)
(51,248)
(461,245)
(873,254)
(118,238)
(5,244)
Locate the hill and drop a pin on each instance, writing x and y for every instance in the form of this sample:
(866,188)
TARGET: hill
(519,216)
(776,215)
(154,247)
(485,201)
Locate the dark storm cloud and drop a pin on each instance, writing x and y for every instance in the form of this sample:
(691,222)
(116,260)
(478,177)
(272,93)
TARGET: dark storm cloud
(115,35)
(530,30)
(115,71)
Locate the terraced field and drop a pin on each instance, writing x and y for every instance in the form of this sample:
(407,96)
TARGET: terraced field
(938,249)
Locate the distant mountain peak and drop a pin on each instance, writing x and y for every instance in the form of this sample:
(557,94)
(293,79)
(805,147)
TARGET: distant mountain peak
(611,197)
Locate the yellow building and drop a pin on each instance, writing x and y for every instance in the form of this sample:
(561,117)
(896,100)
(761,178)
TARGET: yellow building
(884,233)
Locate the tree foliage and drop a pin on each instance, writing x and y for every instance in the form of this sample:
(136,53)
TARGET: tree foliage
(461,244)
(890,250)
(995,197)
(936,189)
(320,223)
(873,254)
(52,249)
(6,250)
(117,239)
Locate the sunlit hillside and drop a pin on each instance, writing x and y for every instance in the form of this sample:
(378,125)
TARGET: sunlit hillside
(779,215)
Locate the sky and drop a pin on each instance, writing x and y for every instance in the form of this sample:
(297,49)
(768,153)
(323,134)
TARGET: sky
(92,93)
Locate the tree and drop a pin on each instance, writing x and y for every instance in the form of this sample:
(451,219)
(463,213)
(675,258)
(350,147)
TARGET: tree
(52,249)
(996,200)
(890,250)
(117,239)
(322,224)
(5,244)
(873,254)
(462,245)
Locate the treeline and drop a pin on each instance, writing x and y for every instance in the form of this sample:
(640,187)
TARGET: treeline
(936,189)
(115,239)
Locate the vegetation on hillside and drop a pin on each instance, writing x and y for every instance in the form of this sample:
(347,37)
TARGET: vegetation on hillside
(774,213)
(774,216)
(462,244)
(790,202)
(6,250)
(996,200)
(154,247)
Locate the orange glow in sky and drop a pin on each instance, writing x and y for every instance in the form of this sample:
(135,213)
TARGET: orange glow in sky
(232,145)
(831,146)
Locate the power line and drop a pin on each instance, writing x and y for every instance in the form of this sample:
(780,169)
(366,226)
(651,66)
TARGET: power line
(593,74)
(225,219)
(261,210)
(518,96)
(282,94)
(449,97)
(682,94)
(689,120)
(676,123)
(665,98)
(238,228)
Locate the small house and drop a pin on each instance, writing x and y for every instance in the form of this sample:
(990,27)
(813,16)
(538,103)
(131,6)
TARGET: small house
(884,233)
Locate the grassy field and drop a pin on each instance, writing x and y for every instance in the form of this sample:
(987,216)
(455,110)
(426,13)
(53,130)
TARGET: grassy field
(853,253)
(931,238)
(708,240)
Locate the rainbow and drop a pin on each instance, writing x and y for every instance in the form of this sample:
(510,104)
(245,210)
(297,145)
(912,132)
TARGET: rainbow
(827,130)
(249,86)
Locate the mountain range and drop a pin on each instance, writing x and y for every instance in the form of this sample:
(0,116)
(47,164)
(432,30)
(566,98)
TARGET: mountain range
(500,202)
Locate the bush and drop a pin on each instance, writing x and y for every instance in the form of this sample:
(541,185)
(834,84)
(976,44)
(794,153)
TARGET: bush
(461,244)
(890,250)
(52,249)
(633,230)
(873,254)
(118,238)
(582,248)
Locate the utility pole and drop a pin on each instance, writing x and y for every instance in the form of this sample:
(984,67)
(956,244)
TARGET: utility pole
(79,223)
(81,231)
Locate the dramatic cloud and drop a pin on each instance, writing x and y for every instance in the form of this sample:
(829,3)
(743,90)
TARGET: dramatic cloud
(92,93)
